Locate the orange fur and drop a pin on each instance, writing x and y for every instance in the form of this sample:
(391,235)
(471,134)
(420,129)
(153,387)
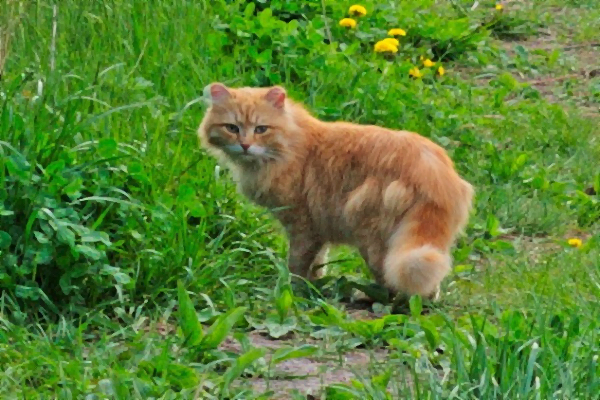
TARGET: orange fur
(395,195)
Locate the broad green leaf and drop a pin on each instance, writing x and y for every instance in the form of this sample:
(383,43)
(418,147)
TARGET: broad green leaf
(186,193)
(135,168)
(238,367)
(283,302)
(116,273)
(181,376)
(382,380)
(463,268)
(431,332)
(288,353)
(279,328)
(5,240)
(508,81)
(27,292)
(73,187)
(89,252)
(4,212)
(65,283)
(366,329)
(249,10)
(265,56)
(357,384)
(519,162)
(394,319)
(44,254)
(553,57)
(93,236)
(339,391)
(107,147)
(416,305)
(188,320)
(17,169)
(65,235)
(334,316)
(264,18)
(573,329)
(493,225)
(122,278)
(55,166)
(41,238)
(219,330)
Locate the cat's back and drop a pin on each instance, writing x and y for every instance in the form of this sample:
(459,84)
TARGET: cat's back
(346,155)
(379,148)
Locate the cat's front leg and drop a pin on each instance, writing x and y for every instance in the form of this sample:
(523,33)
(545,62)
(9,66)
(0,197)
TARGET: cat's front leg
(304,248)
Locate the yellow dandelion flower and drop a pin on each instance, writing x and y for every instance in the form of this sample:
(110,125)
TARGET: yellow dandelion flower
(499,7)
(348,23)
(428,63)
(393,41)
(384,46)
(441,71)
(396,32)
(357,10)
(575,242)
(415,72)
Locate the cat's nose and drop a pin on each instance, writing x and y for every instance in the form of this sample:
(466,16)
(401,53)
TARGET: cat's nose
(245,146)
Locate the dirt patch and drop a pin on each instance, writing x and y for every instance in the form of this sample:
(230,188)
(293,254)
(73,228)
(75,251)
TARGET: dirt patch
(306,375)
(309,376)
(573,85)
(579,62)
(573,78)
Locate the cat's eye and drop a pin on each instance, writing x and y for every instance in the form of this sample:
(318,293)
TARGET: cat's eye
(260,129)
(232,128)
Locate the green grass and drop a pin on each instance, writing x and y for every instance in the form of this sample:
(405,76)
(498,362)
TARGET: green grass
(107,203)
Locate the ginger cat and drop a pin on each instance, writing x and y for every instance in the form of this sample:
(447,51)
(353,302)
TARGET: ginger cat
(394,195)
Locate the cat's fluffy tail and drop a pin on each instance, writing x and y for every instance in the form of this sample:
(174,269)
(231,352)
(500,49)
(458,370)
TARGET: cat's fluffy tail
(416,271)
(418,252)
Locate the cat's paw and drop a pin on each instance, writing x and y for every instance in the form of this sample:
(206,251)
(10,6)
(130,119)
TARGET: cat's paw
(316,273)
(361,297)
(369,294)
(435,296)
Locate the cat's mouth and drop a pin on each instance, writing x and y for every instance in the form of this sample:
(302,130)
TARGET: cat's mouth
(245,156)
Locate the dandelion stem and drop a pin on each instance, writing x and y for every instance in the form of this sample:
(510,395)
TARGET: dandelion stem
(327,31)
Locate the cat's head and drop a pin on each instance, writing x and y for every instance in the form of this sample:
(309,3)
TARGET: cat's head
(247,124)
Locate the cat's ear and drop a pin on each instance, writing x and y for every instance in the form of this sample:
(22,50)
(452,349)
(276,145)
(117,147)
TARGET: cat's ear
(216,93)
(276,96)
